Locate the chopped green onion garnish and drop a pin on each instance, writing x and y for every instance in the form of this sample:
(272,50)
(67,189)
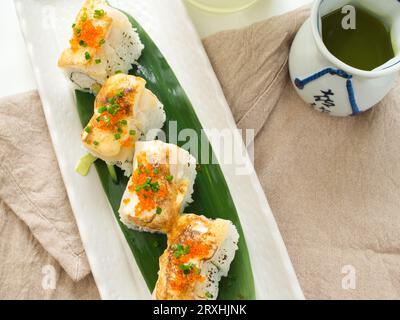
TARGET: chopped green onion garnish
(88,130)
(98,61)
(73,25)
(187,267)
(209,295)
(180,250)
(98,119)
(84,164)
(170,178)
(84,17)
(82,43)
(118,71)
(102,41)
(119,93)
(156,171)
(132,132)
(117,136)
(95,143)
(123,122)
(146,185)
(113,173)
(158,210)
(96,88)
(106,119)
(98,14)
(87,56)
(113,109)
(111,100)
(102,109)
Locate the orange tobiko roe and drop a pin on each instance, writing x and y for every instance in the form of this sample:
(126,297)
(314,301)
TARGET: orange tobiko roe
(147,198)
(183,281)
(128,142)
(198,251)
(89,33)
(112,124)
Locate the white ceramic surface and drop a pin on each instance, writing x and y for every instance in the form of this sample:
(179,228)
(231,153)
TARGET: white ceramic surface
(46,27)
(342,90)
(208,23)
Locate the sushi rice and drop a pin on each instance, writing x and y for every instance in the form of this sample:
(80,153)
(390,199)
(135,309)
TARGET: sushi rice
(104,43)
(207,249)
(134,109)
(176,173)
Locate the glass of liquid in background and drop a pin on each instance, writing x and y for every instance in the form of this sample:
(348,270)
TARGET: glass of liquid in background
(222,6)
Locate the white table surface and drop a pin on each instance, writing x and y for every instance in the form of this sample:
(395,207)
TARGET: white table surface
(16,70)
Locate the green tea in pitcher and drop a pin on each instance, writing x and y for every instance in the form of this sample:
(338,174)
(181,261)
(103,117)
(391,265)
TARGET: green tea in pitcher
(366,46)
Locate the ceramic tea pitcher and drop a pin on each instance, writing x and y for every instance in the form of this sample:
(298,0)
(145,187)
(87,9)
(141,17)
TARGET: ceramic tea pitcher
(327,83)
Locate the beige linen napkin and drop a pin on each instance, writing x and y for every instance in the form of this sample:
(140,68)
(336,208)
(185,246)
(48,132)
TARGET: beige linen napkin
(333,183)
(32,188)
(27,271)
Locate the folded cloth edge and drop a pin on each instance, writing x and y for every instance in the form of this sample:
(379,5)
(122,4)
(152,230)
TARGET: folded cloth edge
(46,232)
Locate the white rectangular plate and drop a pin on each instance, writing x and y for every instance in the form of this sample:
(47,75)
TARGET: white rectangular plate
(46,25)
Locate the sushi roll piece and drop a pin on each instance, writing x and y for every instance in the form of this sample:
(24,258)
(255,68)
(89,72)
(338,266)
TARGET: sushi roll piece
(103,43)
(124,112)
(199,253)
(160,187)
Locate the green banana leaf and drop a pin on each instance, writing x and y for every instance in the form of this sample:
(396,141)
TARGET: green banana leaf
(211,193)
